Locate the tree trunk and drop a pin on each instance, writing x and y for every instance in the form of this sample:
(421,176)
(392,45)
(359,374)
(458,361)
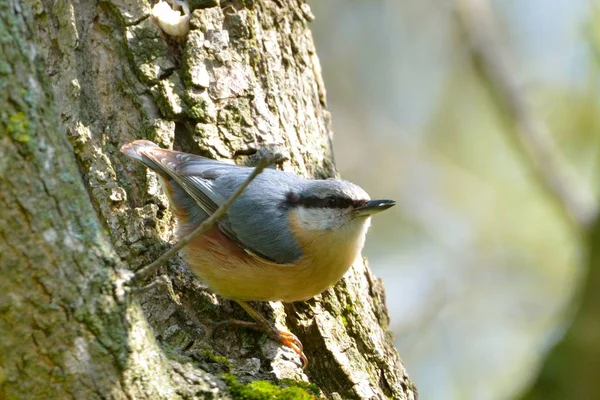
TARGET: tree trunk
(245,78)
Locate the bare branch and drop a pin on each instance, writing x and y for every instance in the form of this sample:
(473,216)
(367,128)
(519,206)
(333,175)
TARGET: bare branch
(532,135)
(205,226)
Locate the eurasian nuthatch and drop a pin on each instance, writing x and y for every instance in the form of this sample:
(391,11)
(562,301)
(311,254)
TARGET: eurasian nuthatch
(285,238)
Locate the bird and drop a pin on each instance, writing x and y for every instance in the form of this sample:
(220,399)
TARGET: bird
(285,238)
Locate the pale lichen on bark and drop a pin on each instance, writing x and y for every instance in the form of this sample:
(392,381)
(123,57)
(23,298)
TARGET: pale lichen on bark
(245,78)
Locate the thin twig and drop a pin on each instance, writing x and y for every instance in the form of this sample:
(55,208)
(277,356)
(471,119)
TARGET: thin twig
(161,281)
(158,282)
(205,226)
(532,134)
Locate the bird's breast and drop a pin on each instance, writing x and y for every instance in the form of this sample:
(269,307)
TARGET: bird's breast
(233,273)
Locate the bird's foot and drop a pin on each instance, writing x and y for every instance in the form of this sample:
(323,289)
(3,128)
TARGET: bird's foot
(287,339)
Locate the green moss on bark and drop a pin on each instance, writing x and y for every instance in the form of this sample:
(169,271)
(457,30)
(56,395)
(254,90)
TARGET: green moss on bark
(265,390)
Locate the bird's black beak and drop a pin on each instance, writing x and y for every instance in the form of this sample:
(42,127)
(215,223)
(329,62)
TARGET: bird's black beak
(373,207)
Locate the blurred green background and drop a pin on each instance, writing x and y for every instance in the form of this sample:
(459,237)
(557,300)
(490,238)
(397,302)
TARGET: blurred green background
(479,264)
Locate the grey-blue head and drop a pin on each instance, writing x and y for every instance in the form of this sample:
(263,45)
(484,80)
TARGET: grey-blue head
(332,204)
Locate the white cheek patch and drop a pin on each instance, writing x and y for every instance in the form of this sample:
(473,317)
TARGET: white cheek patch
(355,232)
(319,219)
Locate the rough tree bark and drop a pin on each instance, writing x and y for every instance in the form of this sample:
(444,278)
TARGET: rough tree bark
(76,215)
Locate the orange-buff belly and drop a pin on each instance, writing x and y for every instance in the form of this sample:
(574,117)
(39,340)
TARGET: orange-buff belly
(233,273)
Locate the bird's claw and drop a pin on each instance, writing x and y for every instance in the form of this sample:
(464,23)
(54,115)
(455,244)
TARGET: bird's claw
(290,340)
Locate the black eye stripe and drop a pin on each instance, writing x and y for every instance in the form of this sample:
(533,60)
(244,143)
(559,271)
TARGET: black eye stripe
(294,200)
(313,202)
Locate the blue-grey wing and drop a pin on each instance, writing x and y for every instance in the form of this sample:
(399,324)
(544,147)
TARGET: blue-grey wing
(257,220)
(259,217)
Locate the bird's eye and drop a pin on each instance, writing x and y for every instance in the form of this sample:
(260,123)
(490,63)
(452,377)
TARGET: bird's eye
(331,202)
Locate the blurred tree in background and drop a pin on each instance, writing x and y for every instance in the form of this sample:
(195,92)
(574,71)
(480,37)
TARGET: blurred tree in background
(487,259)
